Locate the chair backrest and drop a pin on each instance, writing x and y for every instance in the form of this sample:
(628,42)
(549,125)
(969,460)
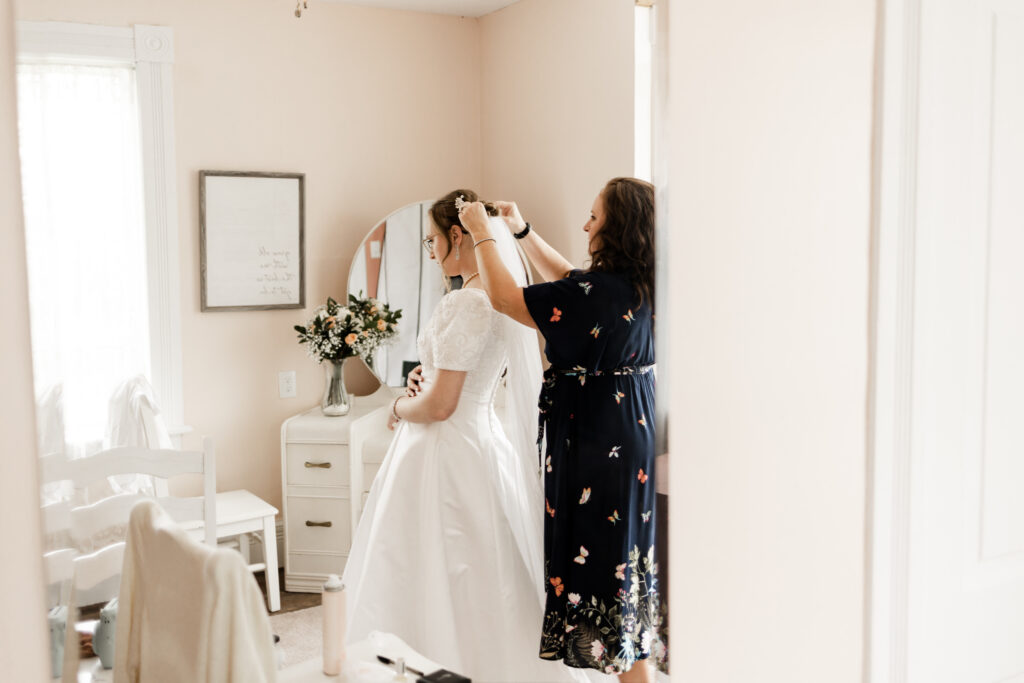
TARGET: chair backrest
(59,555)
(95,531)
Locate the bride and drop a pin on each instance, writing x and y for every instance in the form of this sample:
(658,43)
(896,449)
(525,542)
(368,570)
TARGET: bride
(448,553)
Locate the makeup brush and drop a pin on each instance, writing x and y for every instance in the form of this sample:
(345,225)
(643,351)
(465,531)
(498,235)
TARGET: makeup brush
(439,676)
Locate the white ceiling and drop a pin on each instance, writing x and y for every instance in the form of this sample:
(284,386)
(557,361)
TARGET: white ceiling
(462,8)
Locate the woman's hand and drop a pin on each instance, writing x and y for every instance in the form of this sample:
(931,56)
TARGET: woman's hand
(412,384)
(510,212)
(474,219)
(392,422)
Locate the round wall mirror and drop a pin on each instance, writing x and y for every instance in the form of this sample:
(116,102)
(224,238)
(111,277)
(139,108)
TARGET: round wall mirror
(391,265)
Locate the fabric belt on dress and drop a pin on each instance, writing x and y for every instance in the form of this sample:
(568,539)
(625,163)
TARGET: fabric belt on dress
(579,371)
(551,376)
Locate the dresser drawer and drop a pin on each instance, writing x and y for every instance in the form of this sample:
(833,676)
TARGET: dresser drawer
(317,464)
(320,524)
(308,563)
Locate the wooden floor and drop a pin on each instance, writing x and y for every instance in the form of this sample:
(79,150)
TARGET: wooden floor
(290,602)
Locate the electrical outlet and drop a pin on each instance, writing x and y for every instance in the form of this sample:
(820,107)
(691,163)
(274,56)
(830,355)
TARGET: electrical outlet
(286,384)
(374,248)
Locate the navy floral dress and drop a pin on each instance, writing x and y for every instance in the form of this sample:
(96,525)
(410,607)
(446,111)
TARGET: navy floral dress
(603,610)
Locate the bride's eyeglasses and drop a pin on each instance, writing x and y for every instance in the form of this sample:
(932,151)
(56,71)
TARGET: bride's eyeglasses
(428,244)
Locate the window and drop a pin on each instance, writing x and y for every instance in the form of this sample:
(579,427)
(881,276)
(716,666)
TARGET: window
(100,216)
(85,236)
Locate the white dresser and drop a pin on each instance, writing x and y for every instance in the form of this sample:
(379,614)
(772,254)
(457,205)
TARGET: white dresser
(317,494)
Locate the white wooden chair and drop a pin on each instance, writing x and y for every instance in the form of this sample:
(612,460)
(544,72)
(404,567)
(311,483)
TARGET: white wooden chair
(240,513)
(84,525)
(88,571)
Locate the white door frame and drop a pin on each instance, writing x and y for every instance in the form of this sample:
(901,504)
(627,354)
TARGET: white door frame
(890,376)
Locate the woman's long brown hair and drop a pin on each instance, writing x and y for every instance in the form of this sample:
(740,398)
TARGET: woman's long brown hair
(625,243)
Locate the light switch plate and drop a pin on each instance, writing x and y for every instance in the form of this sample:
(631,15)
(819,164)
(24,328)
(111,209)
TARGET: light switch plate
(286,384)
(374,248)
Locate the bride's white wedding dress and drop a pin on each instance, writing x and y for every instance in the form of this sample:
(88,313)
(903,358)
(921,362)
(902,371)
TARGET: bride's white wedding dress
(448,553)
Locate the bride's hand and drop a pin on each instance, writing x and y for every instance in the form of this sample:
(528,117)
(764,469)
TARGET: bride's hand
(474,219)
(510,212)
(413,382)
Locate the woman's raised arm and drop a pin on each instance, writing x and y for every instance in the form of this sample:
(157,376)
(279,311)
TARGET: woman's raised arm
(505,295)
(549,263)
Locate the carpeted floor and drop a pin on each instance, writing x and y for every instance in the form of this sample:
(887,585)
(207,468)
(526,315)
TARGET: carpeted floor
(301,633)
(299,622)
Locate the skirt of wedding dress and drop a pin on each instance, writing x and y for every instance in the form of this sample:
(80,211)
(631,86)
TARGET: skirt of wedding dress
(435,559)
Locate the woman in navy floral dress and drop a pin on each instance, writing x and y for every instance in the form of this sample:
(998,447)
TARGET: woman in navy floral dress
(603,609)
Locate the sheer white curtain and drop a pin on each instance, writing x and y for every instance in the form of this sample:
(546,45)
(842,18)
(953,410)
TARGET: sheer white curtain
(85,237)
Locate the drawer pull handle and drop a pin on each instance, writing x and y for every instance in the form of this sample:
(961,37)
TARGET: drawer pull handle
(309,523)
(325,465)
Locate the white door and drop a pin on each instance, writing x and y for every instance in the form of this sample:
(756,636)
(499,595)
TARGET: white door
(965,588)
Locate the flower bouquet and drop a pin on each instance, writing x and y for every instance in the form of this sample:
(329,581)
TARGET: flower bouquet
(337,332)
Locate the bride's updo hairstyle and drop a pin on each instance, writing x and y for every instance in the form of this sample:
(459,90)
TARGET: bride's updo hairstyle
(625,243)
(445,215)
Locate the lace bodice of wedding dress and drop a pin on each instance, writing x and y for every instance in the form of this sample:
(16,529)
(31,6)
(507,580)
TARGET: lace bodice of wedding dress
(465,334)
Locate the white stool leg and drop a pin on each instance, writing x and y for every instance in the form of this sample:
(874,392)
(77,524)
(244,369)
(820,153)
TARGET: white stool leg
(270,558)
(244,541)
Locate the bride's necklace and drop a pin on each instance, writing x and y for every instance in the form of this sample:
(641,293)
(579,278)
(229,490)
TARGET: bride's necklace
(470,278)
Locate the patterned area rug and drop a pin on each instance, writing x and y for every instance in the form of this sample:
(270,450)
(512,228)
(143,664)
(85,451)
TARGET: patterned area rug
(301,634)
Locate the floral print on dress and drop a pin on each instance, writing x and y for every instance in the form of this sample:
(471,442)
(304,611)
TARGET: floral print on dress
(596,452)
(611,635)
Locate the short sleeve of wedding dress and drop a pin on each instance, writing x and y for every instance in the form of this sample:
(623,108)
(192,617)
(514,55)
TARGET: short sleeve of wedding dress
(463,330)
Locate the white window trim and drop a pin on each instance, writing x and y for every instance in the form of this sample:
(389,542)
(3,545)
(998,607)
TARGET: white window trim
(150,49)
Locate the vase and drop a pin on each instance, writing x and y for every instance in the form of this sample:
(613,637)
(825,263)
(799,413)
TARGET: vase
(335,402)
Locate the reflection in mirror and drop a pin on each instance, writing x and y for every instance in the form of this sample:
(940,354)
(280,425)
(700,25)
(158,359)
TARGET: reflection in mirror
(391,265)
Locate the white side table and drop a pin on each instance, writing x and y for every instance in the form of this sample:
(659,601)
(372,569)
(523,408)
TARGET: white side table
(316,492)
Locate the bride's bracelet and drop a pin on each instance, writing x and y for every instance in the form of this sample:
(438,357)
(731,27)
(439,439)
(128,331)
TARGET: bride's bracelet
(486,239)
(394,409)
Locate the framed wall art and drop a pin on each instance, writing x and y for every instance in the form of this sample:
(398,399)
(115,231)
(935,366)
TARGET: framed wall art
(251,240)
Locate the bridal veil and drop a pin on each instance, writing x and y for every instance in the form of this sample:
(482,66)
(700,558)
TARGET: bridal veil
(523,505)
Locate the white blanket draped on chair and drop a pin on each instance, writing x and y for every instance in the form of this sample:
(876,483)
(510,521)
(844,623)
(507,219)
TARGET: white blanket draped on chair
(187,611)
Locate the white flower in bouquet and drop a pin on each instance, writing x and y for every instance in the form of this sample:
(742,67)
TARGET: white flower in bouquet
(336,332)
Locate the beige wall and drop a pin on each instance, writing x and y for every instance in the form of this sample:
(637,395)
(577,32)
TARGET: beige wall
(23,640)
(378,108)
(769,201)
(557,114)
